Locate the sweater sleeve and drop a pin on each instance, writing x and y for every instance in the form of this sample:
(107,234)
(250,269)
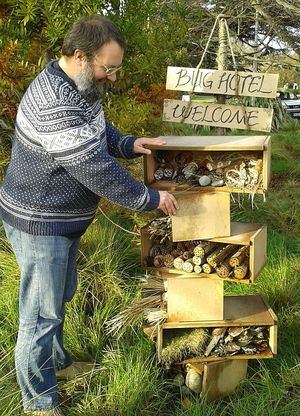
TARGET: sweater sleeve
(119,145)
(79,145)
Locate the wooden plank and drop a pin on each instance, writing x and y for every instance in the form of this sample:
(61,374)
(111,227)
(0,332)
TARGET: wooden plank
(165,185)
(261,356)
(273,338)
(146,244)
(267,163)
(211,81)
(240,233)
(238,311)
(258,252)
(218,115)
(222,378)
(195,299)
(247,309)
(148,168)
(201,216)
(213,143)
(272,313)
(165,272)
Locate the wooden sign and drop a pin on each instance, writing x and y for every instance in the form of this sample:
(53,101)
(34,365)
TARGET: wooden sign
(218,115)
(214,81)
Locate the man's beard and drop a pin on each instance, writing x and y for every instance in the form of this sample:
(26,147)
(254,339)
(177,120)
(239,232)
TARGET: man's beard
(87,85)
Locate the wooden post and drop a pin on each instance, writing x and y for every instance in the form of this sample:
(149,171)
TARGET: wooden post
(222,61)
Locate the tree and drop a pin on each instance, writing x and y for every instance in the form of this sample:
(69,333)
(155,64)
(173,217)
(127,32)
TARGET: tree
(278,23)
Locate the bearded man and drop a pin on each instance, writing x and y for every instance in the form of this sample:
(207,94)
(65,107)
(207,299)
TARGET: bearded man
(63,160)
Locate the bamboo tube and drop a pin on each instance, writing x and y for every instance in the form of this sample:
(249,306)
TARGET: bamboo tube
(155,251)
(204,248)
(188,266)
(170,246)
(224,270)
(186,255)
(201,244)
(237,258)
(175,253)
(164,250)
(220,254)
(168,261)
(207,268)
(212,256)
(197,268)
(198,260)
(241,271)
(158,261)
(178,263)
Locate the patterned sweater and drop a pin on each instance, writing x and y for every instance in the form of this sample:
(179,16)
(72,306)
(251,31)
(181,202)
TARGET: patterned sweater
(64,159)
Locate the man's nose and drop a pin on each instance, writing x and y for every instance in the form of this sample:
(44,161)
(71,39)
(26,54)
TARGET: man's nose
(112,77)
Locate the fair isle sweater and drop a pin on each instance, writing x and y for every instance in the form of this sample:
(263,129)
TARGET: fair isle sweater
(64,159)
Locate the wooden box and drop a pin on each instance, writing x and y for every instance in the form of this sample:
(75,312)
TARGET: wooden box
(220,378)
(201,216)
(239,311)
(208,147)
(242,234)
(194,299)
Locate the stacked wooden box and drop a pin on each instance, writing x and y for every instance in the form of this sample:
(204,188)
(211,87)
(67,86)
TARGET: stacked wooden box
(196,300)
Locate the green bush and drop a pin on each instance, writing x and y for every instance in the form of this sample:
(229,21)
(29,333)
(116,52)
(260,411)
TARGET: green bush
(128,115)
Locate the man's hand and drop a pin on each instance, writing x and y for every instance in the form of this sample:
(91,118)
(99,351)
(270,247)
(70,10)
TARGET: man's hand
(139,145)
(167,203)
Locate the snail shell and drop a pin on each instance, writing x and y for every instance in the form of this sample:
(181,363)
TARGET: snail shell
(193,381)
(159,174)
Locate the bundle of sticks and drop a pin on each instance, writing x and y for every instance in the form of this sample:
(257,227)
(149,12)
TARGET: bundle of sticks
(237,169)
(149,306)
(217,342)
(227,260)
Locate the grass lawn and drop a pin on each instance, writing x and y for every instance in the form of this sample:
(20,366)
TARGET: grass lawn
(127,380)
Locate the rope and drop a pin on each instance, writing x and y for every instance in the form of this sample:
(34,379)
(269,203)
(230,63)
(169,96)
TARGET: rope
(198,67)
(236,73)
(230,45)
(117,225)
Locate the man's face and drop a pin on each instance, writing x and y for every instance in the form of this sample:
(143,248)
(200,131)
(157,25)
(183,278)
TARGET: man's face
(95,73)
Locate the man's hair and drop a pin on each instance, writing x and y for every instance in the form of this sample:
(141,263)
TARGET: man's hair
(89,34)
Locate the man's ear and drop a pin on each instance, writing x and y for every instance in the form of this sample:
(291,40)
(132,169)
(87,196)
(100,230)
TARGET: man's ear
(79,57)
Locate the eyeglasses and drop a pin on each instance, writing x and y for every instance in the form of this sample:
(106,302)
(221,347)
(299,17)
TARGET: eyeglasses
(110,70)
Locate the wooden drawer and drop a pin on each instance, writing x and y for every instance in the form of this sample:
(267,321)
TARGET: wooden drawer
(180,150)
(215,379)
(201,216)
(242,234)
(239,311)
(194,299)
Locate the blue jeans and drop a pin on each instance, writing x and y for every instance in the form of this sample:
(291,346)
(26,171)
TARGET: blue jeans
(48,280)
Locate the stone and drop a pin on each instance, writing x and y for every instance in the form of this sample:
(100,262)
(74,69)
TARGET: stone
(204,180)
(219,182)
